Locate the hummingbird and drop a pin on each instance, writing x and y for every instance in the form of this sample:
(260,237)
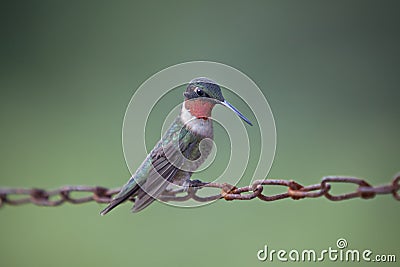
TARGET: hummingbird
(182,149)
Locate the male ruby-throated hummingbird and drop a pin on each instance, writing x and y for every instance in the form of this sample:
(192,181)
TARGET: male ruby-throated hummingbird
(180,151)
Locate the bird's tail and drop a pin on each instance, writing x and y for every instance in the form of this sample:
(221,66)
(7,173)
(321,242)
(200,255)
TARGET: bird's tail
(121,197)
(111,206)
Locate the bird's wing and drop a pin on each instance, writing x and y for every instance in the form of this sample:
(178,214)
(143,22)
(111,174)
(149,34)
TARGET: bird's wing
(154,165)
(158,170)
(166,160)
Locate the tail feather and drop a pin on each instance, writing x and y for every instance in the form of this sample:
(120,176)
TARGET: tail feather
(118,200)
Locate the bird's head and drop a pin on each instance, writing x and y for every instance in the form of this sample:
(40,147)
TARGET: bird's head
(202,95)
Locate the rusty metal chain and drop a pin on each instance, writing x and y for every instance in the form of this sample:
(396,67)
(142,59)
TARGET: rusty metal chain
(56,197)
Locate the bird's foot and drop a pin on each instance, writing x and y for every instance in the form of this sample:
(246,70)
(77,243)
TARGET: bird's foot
(196,184)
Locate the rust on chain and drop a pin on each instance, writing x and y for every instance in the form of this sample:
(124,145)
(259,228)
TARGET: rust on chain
(396,186)
(364,190)
(258,189)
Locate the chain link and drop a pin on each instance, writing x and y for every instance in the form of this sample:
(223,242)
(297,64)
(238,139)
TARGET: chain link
(296,191)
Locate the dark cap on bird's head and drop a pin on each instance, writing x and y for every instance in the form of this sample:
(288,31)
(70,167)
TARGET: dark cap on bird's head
(203,87)
(208,89)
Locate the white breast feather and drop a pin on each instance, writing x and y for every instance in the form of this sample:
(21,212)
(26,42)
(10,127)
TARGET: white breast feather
(197,126)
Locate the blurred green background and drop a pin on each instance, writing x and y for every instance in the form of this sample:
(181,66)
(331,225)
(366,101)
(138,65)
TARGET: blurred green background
(329,69)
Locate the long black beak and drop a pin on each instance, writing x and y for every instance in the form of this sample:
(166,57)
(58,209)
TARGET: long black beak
(229,105)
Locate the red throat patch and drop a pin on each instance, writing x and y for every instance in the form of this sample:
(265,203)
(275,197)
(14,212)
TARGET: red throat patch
(199,108)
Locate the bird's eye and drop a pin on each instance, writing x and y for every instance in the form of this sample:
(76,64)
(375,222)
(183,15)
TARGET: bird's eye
(199,92)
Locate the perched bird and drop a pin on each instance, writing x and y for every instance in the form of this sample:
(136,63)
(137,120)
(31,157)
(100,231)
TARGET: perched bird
(182,149)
